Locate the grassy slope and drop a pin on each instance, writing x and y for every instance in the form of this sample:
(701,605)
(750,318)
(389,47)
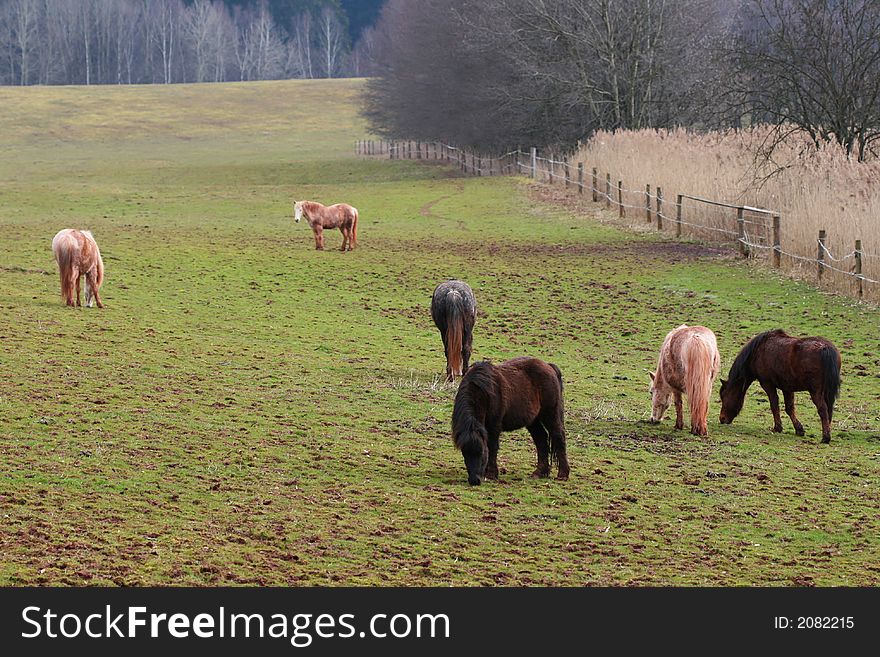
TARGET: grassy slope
(248,410)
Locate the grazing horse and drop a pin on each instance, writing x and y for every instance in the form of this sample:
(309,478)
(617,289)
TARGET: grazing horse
(688,364)
(341,216)
(778,360)
(523,392)
(77,254)
(454,310)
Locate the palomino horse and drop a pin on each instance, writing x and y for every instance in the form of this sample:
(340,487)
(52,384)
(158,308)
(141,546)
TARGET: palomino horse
(688,364)
(341,216)
(77,254)
(778,360)
(523,392)
(454,310)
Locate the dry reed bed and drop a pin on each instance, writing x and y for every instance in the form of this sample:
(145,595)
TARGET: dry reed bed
(810,189)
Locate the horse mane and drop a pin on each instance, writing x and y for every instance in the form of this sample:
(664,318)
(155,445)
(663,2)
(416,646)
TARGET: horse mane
(740,371)
(475,389)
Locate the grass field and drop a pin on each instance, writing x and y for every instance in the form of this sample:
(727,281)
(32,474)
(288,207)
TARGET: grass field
(250,411)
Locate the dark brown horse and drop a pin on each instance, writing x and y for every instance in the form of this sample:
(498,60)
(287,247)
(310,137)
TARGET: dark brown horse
(778,360)
(523,392)
(454,310)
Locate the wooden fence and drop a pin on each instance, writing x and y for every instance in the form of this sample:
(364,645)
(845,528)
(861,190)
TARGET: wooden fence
(755,232)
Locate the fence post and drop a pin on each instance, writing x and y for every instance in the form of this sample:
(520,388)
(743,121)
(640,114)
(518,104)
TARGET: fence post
(859,268)
(608,190)
(534,162)
(741,232)
(595,185)
(479,166)
(580,177)
(659,209)
(620,211)
(777,248)
(567,175)
(678,216)
(648,203)
(820,257)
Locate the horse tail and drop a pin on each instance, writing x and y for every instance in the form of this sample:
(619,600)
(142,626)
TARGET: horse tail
(454,335)
(701,368)
(99,266)
(831,375)
(64,256)
(354,228)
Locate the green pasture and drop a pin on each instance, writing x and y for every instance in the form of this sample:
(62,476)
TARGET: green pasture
(248,410)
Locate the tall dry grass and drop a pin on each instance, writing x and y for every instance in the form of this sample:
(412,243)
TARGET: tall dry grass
(810,189)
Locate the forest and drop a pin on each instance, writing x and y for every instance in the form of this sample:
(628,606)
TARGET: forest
(171,41)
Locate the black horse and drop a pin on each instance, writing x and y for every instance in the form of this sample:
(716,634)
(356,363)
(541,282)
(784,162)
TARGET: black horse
(454,310)
(778,360)
(523,392)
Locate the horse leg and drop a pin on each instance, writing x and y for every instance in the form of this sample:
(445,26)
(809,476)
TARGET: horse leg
(774,406)
(319,238)
(789,409)
(345,238)
(92,282)
(449,376)
(78,302)
(466,348)
(492,465)
(824,415)
(679,420)
(557,448)
(542,445)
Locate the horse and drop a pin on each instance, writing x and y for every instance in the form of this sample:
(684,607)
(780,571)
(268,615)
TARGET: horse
(523,392)
(688,364)
(454,310)
(341,216)
(778,360)
(77,254)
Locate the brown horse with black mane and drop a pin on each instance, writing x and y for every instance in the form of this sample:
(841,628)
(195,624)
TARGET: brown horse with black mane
(341,216)
(523,392)
(454,311)
(778,360)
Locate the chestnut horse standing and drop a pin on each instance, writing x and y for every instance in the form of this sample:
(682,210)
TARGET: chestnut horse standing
(778,360)
(341,216)
(77,254)
(688,364)
(454,310)
(523,392)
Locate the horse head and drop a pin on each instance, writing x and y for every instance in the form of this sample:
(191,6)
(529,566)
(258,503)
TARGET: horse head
(473,441)
(659,398)
(732,398)
(297,210)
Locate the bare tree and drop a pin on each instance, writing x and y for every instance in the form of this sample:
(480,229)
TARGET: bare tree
(22,21)
(331,40)
(813,67)
(299,60)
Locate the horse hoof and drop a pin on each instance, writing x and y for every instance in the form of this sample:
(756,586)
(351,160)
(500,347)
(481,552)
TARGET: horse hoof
(776,429)
(679,427)
(562,476)
(826,440)
(541,474)
(799,432)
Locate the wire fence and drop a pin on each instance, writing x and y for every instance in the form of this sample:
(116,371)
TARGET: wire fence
(755,232)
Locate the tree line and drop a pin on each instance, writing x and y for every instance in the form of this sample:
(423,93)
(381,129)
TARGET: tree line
(502,73)
(169,41)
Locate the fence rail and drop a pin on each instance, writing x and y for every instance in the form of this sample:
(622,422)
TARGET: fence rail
(754,231)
